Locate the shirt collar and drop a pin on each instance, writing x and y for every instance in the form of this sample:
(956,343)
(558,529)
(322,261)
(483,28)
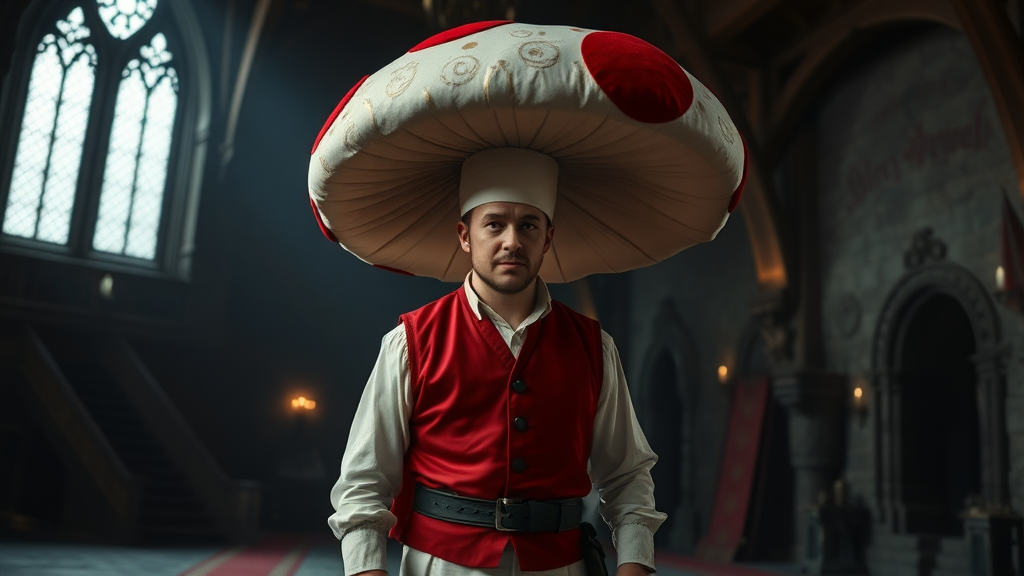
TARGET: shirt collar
(479,308)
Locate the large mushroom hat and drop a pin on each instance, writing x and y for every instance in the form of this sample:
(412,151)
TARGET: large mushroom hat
(640,159)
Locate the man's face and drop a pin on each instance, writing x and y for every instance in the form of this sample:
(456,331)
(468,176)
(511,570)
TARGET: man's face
(506,242)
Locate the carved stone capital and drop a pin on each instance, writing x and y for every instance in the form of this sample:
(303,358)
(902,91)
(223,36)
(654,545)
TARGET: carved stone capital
(774,313)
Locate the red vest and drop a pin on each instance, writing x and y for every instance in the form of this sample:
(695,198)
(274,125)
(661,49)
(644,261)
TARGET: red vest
(462,437)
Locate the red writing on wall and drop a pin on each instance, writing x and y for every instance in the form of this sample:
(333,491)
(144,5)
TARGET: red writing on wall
(920,149)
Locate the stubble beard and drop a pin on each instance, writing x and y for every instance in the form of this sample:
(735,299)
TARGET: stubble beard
(508,288)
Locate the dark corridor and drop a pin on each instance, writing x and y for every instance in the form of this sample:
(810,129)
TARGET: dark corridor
(666,440)
(940,448)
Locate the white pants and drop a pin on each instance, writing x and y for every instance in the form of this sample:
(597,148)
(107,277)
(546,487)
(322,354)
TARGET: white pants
(416,563)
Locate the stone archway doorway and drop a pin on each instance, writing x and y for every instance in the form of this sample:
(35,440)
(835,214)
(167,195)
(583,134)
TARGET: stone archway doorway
(939,401)
(665,437)
(664,401)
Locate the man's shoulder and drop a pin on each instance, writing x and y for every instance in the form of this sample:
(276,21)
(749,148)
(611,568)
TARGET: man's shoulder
(431,309)
(576,317)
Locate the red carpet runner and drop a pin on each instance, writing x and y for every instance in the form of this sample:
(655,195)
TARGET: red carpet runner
(279,555)
(705,568)
(736,475)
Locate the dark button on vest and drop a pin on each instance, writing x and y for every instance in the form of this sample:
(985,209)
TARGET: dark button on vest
(518,465)
(519,386)
(521,424)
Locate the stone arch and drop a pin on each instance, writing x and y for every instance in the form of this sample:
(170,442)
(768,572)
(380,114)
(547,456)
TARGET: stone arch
(830,48)
(928,288)
(666,397)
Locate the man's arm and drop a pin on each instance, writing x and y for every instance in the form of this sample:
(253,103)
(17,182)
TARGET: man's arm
(371,469)
(620,467)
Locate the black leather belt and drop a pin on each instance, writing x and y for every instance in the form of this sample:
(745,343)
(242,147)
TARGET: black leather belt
(505,514)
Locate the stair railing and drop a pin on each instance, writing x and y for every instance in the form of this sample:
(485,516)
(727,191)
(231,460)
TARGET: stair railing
(76,436)
(233,504)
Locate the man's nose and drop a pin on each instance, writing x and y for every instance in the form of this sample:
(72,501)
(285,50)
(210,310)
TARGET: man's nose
(512,241)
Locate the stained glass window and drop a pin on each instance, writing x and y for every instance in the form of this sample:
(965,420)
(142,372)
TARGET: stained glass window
(125,17)
(140,145)
(49,151)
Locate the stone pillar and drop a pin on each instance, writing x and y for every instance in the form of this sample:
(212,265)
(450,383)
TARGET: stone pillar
(816,405)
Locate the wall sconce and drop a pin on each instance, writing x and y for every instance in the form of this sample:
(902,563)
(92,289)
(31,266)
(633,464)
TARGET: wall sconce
(302,403)
(723,374)
(107,287)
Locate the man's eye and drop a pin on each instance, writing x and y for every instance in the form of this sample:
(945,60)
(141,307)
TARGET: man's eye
(528,226)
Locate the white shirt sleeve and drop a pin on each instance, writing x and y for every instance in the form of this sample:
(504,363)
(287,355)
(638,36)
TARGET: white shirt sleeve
(371,469)
(620,466)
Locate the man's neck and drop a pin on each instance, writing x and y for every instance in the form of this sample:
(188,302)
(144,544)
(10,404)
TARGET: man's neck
(513,308)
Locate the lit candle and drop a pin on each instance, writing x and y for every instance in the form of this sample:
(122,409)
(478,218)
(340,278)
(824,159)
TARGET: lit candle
(303,402)
(723,374)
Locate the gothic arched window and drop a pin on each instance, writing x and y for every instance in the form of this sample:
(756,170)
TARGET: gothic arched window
(102,129)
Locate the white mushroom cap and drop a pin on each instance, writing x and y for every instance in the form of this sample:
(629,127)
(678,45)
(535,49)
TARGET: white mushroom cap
(646,160)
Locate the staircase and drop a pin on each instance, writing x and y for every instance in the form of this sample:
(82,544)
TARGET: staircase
(136,469)
(169,509)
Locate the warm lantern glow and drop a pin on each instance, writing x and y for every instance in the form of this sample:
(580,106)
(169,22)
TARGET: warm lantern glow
(1000,278)
(723,374)
(858,392)
(302,403)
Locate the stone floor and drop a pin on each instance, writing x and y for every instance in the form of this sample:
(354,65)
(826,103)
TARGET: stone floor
(321,558)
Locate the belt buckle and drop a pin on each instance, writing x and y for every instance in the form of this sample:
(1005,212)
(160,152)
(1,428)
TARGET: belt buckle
(500,514)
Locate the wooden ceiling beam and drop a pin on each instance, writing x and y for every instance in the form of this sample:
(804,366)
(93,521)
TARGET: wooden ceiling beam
(1001,58)
(412,8)
(757,206)
(725,19)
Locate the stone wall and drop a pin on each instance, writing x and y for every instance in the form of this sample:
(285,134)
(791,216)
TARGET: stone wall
(907,142)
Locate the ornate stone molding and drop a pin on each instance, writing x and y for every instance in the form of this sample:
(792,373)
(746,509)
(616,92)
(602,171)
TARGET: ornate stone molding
(925,247)
(773,311)
(954,281)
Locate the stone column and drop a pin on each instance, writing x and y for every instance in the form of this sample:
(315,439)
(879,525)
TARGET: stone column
(816,405)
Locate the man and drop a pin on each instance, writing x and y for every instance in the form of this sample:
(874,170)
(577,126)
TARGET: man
(492,411)
(506,242)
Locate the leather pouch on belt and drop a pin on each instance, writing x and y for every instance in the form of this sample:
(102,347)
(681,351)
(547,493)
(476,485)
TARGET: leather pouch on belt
(593,552)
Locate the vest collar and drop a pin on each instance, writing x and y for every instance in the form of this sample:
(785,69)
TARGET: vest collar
(479,308)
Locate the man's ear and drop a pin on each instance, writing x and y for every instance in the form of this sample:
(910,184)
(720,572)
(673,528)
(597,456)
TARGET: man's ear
(550,236)
(463,231)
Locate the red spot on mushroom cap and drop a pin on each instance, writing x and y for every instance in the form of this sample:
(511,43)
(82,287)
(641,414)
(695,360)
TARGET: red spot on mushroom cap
(320,222)
(337,110)
(735,200)
(395,270)
(458,32)
(644,83)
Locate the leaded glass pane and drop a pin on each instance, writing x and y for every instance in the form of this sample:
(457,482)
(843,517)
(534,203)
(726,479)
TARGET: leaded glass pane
(140,143)
(49,153)
(125,17)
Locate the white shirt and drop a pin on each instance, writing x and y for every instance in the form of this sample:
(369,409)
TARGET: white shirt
(371,469)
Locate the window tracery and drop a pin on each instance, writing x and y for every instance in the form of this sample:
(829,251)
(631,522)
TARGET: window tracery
(140,145)
(49,151)
(123,18)
(132,77)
